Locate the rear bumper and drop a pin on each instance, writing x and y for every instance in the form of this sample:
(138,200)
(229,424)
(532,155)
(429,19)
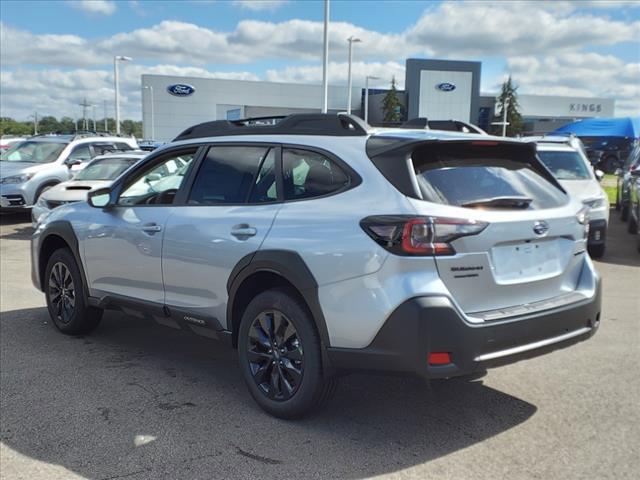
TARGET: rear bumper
(433,324)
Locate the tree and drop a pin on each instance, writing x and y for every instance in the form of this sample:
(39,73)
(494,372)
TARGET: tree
(391,106)
(8,126)
(48,124)
(509,95)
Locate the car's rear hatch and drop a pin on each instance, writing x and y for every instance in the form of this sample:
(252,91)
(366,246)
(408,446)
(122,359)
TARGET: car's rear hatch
(530,251)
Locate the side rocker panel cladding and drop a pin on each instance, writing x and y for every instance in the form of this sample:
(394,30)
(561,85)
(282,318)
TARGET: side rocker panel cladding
(287,264)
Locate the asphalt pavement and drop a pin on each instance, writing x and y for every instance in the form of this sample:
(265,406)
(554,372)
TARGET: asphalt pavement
(136,400)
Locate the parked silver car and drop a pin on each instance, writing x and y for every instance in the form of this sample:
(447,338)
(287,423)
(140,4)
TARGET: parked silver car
(99,173)
(31,167)
(318,244)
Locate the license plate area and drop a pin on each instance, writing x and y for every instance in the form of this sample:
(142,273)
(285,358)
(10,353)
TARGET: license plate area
(527,261)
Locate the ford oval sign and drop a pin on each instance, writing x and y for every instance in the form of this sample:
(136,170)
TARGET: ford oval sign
(181,90)
(446,87)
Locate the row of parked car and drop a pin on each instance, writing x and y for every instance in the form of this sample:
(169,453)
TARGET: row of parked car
(628,193)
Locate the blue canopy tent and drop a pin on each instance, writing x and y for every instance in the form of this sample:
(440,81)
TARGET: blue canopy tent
(603,127)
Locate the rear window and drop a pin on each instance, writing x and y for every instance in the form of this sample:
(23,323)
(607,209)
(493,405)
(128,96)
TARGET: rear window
(565,165)
(482,177)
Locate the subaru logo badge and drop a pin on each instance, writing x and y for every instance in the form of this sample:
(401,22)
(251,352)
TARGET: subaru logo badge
(446,87)
(540,227)
(181,90)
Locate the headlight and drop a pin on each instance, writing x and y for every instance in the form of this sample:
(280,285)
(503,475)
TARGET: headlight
(583,219)
(25,177)
(596,202)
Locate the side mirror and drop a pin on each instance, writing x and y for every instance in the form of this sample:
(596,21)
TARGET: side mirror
(599,175)
(635,172)
(72,162)
(100,198)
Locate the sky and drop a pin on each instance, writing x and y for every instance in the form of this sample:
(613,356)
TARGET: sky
(53,54)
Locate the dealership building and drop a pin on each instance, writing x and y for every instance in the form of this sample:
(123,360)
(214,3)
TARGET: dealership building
(435,89)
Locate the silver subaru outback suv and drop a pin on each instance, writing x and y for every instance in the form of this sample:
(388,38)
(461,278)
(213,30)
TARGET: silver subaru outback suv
(318,245)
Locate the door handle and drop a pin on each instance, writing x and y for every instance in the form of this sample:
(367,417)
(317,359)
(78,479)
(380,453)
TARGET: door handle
(151,228)
(243,231)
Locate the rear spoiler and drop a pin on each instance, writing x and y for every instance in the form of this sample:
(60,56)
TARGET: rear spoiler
(393,157)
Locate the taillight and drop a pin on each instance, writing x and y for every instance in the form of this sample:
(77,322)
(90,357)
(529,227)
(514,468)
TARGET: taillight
(406,235)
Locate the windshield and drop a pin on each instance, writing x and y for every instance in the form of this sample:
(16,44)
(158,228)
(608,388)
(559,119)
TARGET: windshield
(106,169)
(565,165)
(33,152)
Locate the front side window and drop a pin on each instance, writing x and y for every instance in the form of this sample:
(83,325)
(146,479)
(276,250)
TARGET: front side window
(227,174)
(565,165)
(159,183)
(80,154)
(34,152)
(105,169)
(309,174)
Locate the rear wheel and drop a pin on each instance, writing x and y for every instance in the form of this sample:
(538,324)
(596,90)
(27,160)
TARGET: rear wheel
(280,355)
(624,213)
(66,300)
(632,226)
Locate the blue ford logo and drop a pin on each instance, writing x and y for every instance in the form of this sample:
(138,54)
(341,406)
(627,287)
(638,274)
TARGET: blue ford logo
(446,87)
(540,227)
(180,90)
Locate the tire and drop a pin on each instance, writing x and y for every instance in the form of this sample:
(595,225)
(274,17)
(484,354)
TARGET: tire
(610,164)
(280,355)
(70,314)
(596,251)
(41,190)
(624,213)
(632,226)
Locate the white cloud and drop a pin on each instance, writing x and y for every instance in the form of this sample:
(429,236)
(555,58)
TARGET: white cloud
(104,7)
(260,5)
(58,92)
(338,74)
(580,74)
(450,30)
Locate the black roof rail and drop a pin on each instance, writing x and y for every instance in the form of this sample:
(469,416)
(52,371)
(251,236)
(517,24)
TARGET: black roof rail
(447,125)
(340,125)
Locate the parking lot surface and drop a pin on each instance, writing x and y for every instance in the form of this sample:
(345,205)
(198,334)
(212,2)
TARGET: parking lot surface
(136,400)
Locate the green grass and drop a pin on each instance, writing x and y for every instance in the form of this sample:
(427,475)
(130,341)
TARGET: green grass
(609,186)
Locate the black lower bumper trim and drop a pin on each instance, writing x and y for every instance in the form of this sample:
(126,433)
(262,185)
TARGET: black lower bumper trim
(432,324)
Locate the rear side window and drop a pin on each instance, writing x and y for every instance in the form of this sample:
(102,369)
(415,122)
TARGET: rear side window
(227,175)
(481,177)
(308,174)
(565,165)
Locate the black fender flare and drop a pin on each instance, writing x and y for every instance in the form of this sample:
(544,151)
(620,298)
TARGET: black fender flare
(63,230)
(289,265)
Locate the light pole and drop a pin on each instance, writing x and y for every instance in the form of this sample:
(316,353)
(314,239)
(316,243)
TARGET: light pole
(366,96)
(351,41)
(325,59)
(153,127)
(504,118)
(116,59)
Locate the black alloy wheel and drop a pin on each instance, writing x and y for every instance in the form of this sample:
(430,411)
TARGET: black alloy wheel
(62,292)
(275,355)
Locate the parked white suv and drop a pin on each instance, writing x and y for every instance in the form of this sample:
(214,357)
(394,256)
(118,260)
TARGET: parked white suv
(318,245)
(574,172)
(30,167)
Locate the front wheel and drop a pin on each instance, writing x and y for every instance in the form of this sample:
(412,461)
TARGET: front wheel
(596,251)
(66,300)
(280,355)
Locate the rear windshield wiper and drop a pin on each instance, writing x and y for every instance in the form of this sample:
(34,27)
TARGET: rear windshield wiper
(500,202)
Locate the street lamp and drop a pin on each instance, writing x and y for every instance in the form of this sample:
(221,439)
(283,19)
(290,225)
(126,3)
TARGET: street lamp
(366,96)
(351,41)
(116,59)
(325,59)
(153,127)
